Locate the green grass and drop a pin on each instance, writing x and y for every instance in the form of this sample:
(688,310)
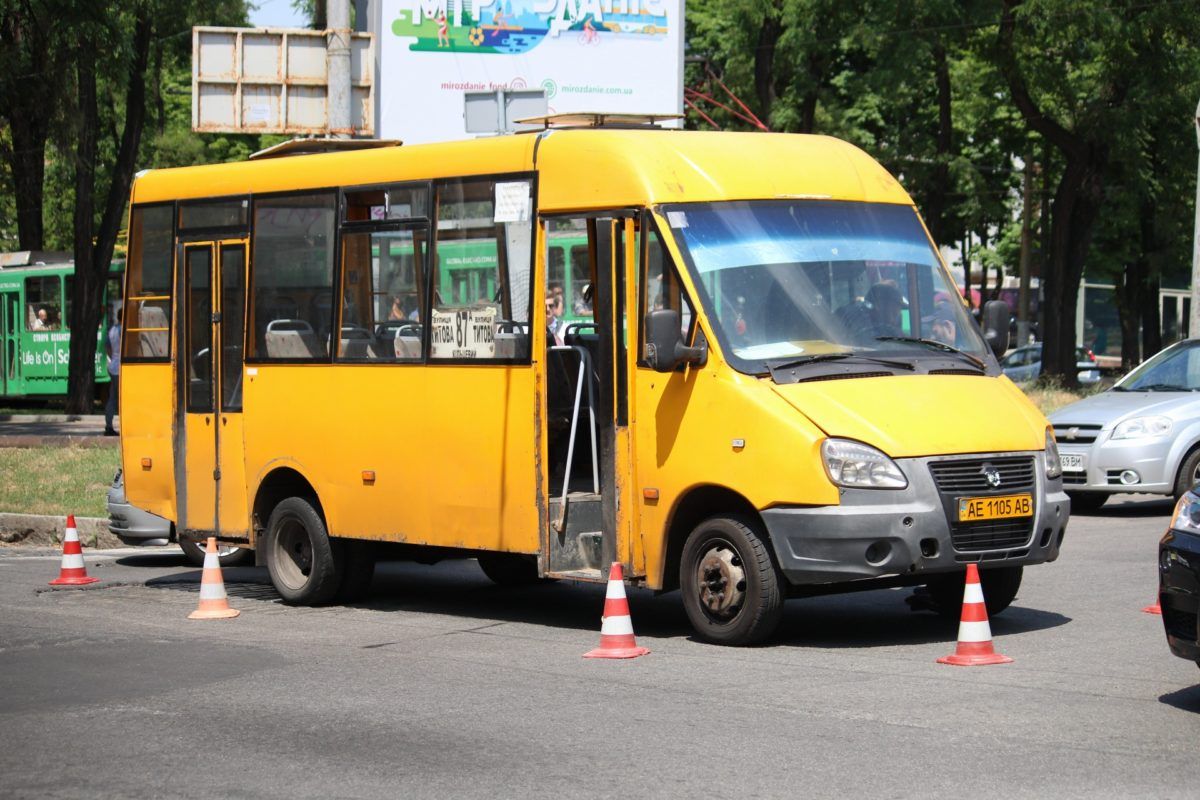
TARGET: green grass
(1049,395)
(57,480)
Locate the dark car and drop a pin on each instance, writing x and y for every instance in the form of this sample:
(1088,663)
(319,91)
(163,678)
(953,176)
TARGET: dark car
(1179,578)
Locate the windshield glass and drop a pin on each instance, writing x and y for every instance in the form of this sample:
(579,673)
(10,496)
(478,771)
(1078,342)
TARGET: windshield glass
(1175,369)
(791,279)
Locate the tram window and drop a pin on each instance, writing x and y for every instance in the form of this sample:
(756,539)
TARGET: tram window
(148,301)
(482,270)
(43,303)
(292,276)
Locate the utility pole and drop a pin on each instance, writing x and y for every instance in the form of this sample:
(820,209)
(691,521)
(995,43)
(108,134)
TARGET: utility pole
(1026,253)
(1194,319)
(338,63)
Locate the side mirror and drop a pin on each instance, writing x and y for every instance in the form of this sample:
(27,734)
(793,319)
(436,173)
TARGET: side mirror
(665,349)
(997,317)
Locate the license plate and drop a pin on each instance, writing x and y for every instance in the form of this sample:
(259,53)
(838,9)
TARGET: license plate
(1072,462)
(973,509)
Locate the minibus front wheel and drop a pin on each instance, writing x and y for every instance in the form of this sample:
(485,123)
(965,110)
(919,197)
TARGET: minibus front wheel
(732,588)
(304,563)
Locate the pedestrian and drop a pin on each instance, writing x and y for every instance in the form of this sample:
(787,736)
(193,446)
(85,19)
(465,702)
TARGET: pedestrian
(112,347)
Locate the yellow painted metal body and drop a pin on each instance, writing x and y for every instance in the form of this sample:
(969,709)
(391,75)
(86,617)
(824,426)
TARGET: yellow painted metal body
(458,452)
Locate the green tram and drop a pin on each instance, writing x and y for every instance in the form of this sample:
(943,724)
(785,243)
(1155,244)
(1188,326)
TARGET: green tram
(467,272)
(35,305)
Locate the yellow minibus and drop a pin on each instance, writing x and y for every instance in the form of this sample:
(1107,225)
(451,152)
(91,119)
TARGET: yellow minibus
(767,385)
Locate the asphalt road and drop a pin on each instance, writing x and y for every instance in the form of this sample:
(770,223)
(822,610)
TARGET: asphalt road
(443,685)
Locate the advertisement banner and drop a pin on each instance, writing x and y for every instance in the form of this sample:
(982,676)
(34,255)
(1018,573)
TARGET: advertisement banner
(586,55)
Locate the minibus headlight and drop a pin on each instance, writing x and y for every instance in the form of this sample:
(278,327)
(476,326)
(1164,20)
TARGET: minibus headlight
(1053,462)
(859,466)
(1187,514)
(1142,427)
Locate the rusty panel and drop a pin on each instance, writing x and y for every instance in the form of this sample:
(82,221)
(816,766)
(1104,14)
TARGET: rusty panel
(262,57)
(262,80)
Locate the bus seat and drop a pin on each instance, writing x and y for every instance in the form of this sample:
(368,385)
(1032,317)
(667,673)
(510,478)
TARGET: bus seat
(154,344)
(408,340)
(356,342)
(291,338)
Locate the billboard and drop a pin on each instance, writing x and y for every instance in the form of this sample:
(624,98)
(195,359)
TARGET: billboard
(586,55)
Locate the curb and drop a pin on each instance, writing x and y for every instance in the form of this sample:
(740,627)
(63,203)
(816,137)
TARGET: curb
(50,417)
(43,530)
(28,440)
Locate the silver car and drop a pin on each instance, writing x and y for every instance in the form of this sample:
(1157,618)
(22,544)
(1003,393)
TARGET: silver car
(1142,435)
(139,528)
(1025,364)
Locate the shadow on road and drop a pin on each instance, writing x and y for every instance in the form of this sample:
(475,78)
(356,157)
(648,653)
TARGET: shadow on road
(1184,699)
(1141,507)
(174,559)
(459,589)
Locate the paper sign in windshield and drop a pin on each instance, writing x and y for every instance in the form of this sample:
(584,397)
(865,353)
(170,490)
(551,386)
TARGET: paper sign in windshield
(512,202)
(464,333)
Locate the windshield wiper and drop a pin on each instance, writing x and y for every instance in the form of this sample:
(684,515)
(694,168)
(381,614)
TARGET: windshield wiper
(816,358)
(937,345)
(1160,387)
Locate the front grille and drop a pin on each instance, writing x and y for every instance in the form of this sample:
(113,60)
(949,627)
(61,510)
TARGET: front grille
(968,475)
(1066,433)
(995,534)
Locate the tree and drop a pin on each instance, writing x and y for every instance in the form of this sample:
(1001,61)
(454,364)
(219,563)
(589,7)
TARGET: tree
(1071,71)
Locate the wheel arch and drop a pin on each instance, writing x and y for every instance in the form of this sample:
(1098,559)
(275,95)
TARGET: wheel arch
(279,482)
(690,509)
(1184,454)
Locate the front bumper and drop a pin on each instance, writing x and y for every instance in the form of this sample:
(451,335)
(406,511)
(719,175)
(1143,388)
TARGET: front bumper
(134,526)
(1105,460)
(1179,592)
(878,533)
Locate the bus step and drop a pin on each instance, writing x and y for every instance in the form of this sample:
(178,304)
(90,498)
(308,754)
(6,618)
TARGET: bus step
(577,546)
(588,575)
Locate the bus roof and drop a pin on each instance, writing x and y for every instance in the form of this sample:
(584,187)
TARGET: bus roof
(578,169)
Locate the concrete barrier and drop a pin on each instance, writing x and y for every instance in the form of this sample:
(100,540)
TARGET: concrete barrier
(47,531)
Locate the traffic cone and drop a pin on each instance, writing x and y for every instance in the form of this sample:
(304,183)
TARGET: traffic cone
(214,603)
(974,634)
(616,627)
(72,572)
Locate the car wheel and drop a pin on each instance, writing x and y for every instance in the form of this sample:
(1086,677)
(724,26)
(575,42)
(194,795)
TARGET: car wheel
(732,589)
(304,563)
(1189,474)
(1087,502)
(227,554)
(999,586)
(509,569)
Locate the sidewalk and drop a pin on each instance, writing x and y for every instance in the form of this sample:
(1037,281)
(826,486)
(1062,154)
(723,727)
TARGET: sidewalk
(55,430)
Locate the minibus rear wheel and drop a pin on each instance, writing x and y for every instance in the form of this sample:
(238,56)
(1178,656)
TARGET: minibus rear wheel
(999,586)
(732,589)
(304,563)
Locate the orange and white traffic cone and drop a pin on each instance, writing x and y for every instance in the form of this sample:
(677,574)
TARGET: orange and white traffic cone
(73,572)
(214,603)
(616,626)
(974,634)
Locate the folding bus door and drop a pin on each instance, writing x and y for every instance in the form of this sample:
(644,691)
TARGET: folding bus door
(212,486)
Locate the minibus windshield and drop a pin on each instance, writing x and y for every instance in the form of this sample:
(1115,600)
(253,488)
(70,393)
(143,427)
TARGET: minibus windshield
(793,281)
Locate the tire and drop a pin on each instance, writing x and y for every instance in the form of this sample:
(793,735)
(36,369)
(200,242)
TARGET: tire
(1189,474)
(359,558)
(1087,502)
(999,585)
(305,564)
(732,589)
(228,555)
(509,569)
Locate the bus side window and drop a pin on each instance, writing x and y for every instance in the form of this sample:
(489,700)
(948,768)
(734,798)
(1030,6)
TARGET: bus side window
(660,288)
(292,276)
(147,320)
(482,271)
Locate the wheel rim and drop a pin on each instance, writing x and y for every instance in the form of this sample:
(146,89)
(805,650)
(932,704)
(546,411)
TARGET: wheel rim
(292,553)
(720,582)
